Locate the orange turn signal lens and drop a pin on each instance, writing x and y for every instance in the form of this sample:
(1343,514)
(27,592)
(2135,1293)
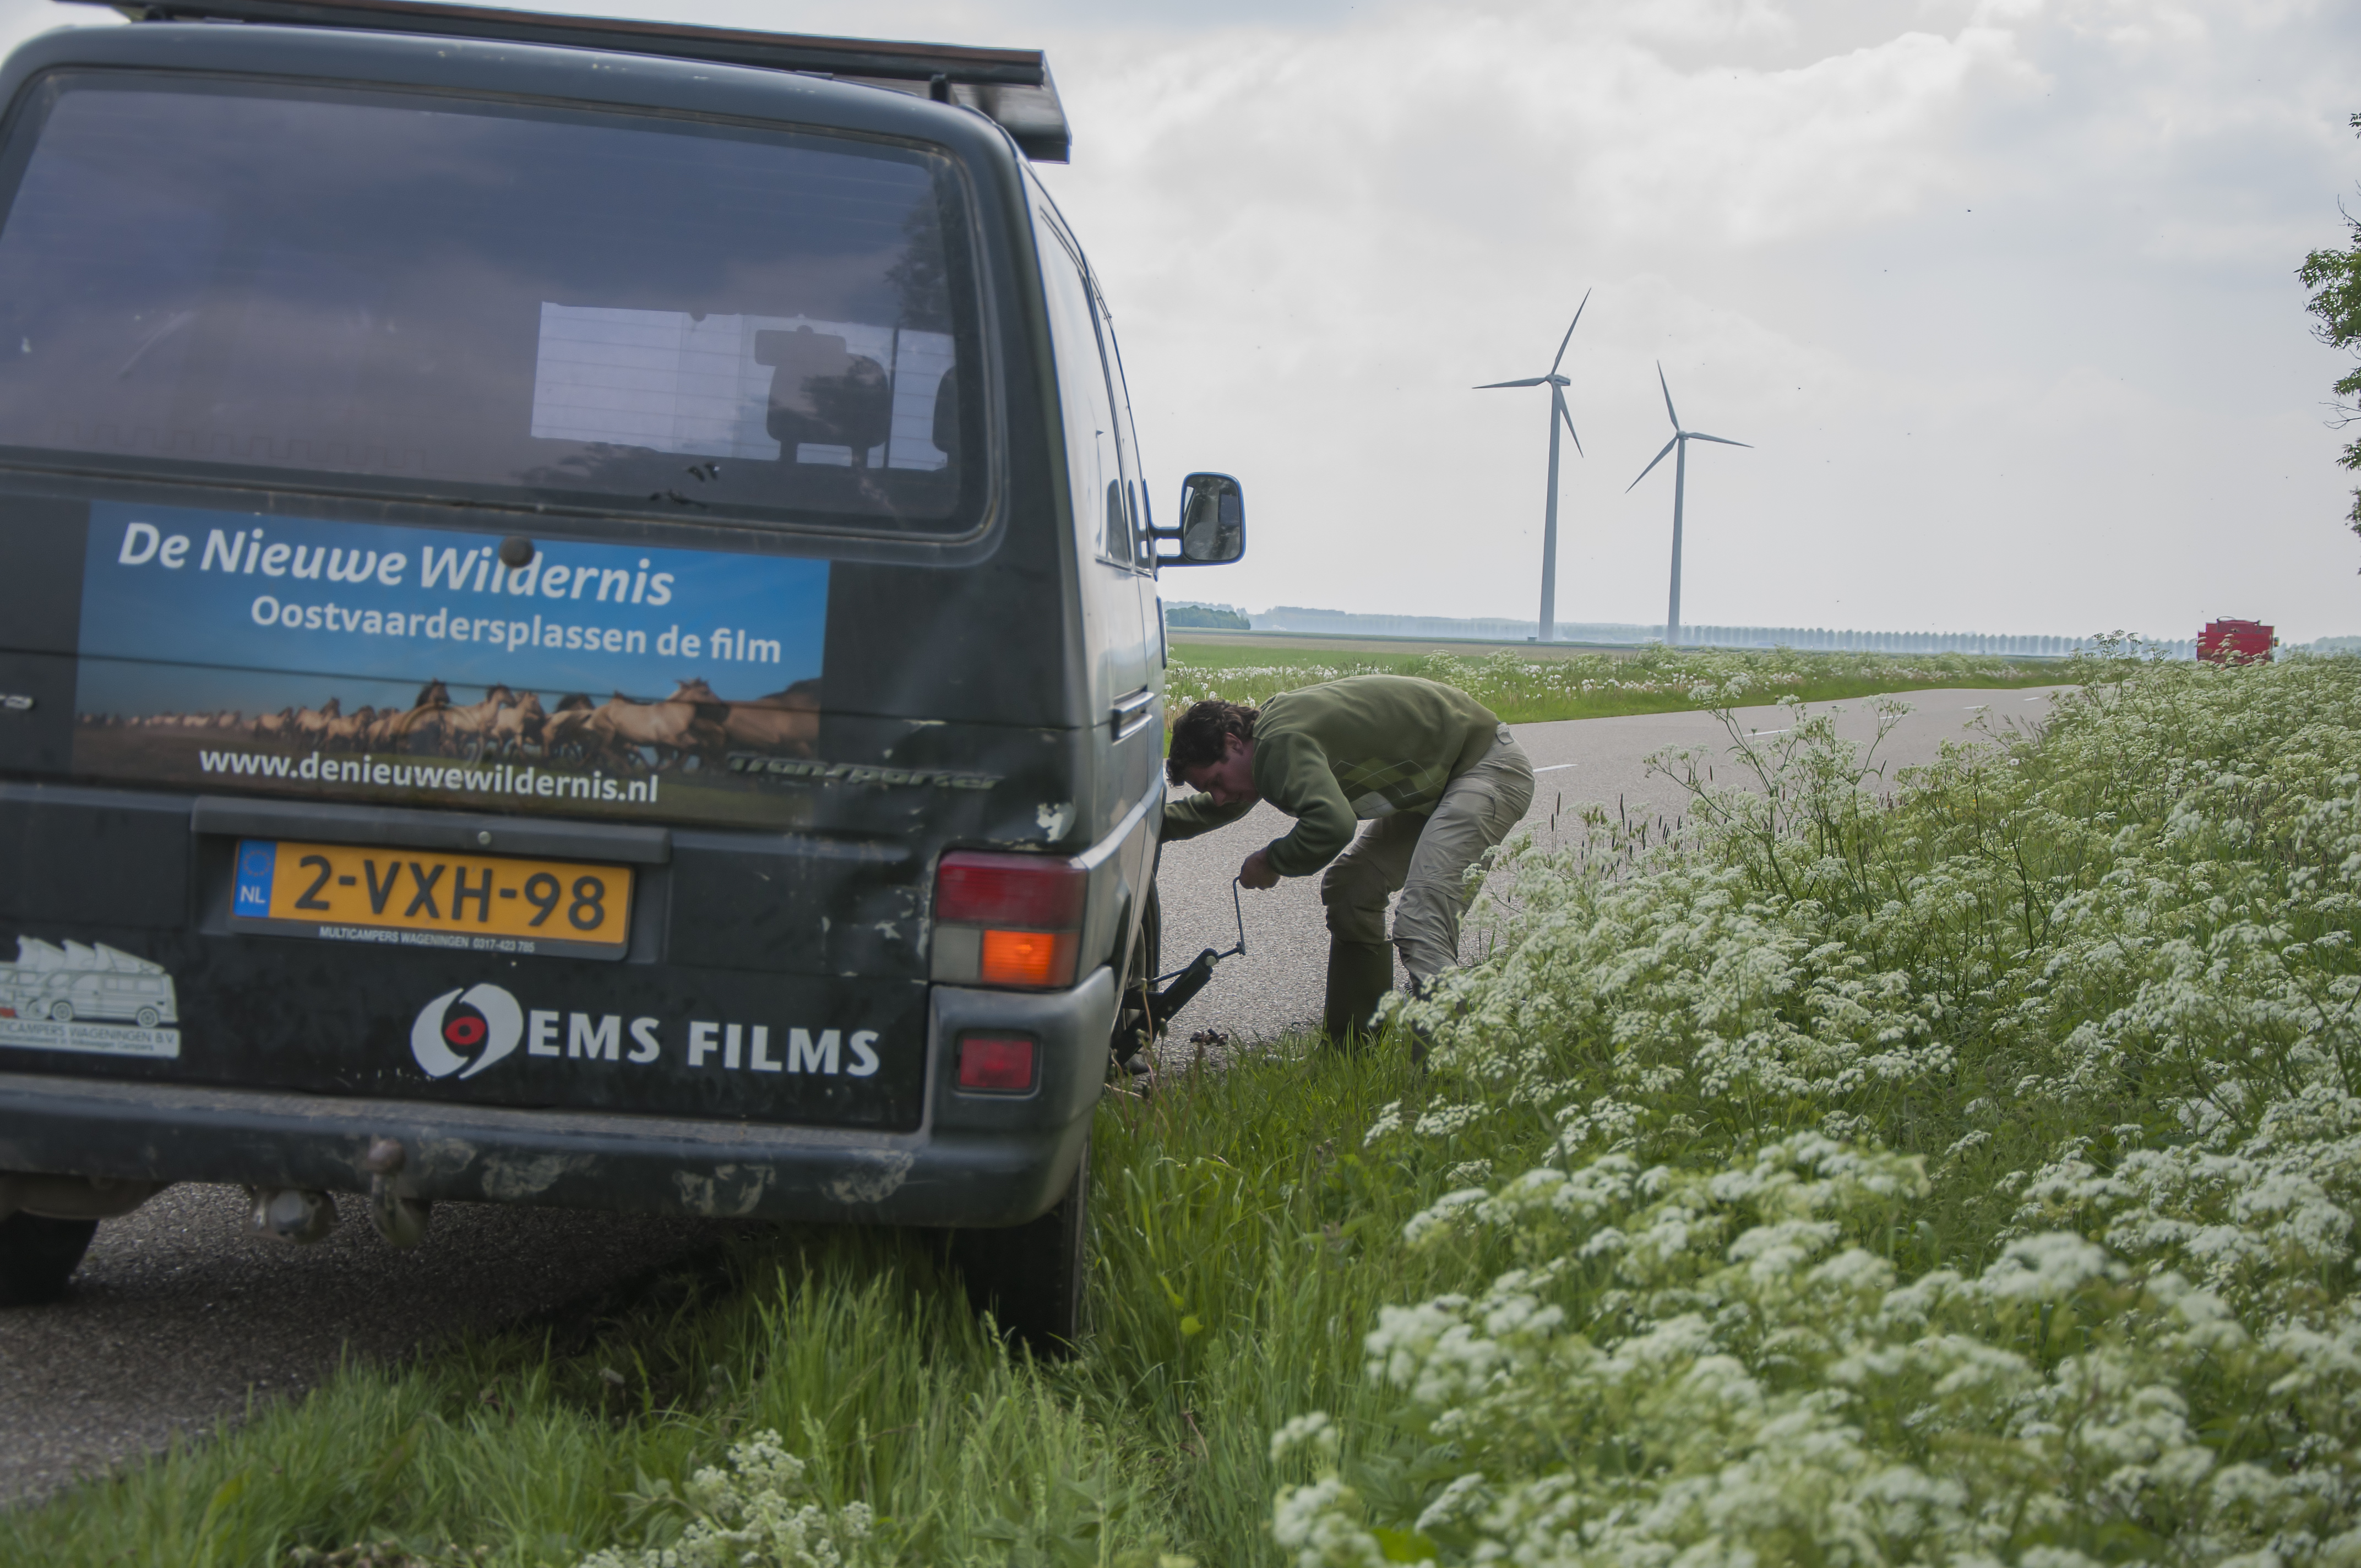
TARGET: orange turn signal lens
(1027,957)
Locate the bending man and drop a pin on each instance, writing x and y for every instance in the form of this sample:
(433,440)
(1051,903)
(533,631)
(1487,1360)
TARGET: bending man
(1434,772)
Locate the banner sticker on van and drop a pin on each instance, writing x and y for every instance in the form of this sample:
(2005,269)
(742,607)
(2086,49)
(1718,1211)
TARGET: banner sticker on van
(353,661)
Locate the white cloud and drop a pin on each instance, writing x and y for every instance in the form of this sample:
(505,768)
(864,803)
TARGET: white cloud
(2007,310)
(22,20)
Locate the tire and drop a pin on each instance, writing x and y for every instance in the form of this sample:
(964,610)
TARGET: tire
(148,1018)
(1146,962)
(1148,953)
(38,1256)
(1030,1276)
(62,1011)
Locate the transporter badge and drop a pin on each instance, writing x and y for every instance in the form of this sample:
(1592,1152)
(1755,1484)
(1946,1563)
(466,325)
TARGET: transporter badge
(483,1022)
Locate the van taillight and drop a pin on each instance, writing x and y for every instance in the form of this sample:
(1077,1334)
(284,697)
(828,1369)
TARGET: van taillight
(1008,919)
(1000,1063)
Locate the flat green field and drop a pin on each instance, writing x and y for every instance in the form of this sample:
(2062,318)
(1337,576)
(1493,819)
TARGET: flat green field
(1522,686)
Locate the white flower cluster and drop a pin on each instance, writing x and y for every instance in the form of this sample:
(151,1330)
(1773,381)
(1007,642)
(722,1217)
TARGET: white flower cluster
(1735,1378)
(1693,986)
(2120,958)
(757,1514)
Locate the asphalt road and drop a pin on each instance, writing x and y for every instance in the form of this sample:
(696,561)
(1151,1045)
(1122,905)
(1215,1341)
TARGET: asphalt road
(180,1314)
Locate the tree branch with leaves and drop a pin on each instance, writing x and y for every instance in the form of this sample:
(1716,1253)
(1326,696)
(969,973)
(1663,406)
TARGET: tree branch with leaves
(2335,278)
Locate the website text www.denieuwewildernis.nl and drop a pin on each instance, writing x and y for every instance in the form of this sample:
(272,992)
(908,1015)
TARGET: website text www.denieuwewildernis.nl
(497,778)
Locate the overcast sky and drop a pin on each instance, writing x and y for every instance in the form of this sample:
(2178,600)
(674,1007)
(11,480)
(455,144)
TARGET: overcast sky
(2002,292)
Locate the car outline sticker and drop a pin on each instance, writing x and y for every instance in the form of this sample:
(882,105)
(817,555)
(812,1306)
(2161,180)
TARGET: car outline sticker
(90,998)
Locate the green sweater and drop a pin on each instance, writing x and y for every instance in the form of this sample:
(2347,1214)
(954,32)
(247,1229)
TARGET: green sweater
(1332,754)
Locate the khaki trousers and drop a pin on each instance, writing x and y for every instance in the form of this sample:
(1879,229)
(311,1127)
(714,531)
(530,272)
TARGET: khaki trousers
(1426,856)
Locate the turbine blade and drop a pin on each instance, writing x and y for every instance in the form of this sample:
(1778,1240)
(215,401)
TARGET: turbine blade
(1651,469)
(1557,400)
(1723,440)
(1569,332)
(1668,395)
(1528,381)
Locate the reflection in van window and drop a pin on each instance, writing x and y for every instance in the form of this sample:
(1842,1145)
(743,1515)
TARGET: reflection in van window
(1083,393)
(445,295)
(741,386)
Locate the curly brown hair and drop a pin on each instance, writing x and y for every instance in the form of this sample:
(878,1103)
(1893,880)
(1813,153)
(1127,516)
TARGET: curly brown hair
(1198,734)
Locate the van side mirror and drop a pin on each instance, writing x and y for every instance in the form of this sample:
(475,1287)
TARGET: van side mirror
(1213,530)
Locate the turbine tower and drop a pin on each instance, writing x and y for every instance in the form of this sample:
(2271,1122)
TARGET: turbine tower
(1681,439)
(1557,385)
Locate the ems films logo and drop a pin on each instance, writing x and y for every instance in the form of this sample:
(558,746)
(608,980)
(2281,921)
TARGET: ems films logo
(463,1032)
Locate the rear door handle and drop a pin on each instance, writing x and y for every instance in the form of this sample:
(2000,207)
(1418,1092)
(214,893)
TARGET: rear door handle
(1131,713)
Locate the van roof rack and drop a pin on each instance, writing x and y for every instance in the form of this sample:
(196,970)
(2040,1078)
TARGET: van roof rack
(1010,86)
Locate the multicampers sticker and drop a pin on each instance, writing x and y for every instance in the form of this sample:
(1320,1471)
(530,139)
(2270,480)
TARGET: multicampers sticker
(363,662)
(92,999)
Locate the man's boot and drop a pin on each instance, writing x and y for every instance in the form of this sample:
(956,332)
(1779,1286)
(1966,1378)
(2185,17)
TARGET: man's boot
(1359,975)
(1422,1039)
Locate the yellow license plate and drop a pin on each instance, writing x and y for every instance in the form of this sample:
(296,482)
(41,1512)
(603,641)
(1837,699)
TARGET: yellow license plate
(432,898)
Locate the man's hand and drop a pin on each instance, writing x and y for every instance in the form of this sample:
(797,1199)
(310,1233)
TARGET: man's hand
(1256,871)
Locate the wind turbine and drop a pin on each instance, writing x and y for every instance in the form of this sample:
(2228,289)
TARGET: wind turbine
(1557,385)
(1681,439)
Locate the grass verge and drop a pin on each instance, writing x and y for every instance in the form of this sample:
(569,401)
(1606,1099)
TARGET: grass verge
(1240,1238)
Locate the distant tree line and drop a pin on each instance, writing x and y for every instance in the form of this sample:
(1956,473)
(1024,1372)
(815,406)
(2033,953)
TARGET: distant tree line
(1216,616)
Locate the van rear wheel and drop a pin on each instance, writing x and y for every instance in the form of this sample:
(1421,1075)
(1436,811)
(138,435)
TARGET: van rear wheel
(1030,1276)
(39,1255)
(1134,1030)
(1148,953)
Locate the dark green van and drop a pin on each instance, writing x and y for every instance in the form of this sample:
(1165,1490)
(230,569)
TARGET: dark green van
(583,629)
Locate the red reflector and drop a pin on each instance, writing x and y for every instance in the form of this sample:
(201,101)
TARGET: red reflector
(995,1061)
(979,889)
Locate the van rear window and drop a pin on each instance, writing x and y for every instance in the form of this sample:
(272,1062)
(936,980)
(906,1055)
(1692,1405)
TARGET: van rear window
(436,296)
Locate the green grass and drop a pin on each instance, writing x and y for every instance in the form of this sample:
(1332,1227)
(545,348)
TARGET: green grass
(1527,687)
(2102,986)
(850,1343)
(1236,1251)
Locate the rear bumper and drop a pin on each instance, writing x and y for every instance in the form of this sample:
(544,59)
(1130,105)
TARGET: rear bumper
(974,1160)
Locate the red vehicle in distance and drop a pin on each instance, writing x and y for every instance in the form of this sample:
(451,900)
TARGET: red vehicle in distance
(2237,642)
